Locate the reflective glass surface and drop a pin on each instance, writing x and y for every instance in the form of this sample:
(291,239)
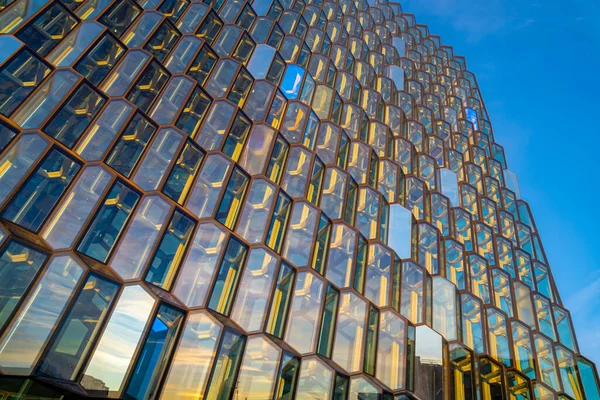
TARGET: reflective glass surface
(263,200)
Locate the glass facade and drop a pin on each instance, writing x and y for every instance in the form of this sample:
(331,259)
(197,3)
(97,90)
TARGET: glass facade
(262,200)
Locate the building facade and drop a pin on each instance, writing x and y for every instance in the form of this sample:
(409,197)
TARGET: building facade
(276,199)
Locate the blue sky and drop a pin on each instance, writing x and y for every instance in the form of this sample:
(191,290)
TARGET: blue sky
(537,63)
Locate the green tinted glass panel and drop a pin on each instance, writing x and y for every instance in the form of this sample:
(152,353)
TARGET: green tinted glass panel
(341,387)
(287,376)
(328,322)
(370,349)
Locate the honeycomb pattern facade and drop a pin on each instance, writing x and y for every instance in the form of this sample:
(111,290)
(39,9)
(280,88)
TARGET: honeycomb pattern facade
(276,199)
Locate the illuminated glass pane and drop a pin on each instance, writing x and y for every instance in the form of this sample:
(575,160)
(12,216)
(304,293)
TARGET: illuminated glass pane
(259,366)
(227,278)
(162,41)
(69,218)
(18,160)
(120,16)
(227,363)
(315,380)
(99,136)
(97,63)
(75,44)
(249,309)
(209,185)
(282,298)
(157,160)
(180,179)
(350,331)
(118,342)
(150,83)
(341,255)
(200,263)
(301,332)
(129,147)
(300,234)
(193,357)
(260,61)
(256,211)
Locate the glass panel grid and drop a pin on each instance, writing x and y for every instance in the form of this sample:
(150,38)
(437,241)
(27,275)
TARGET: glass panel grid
(257,199)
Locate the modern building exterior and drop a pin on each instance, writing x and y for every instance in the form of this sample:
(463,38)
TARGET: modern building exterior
(277,199)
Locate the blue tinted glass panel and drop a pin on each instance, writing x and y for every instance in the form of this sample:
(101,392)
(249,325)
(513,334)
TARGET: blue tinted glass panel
(9,45)
(48,29)
(261,60)
(292,81)
(6,135)
(35,199)
(19,265)
(69,123)
(97,63)
(155,354)
(131,145)
(109,222)
(472,117)
(18,78)
(589,379)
